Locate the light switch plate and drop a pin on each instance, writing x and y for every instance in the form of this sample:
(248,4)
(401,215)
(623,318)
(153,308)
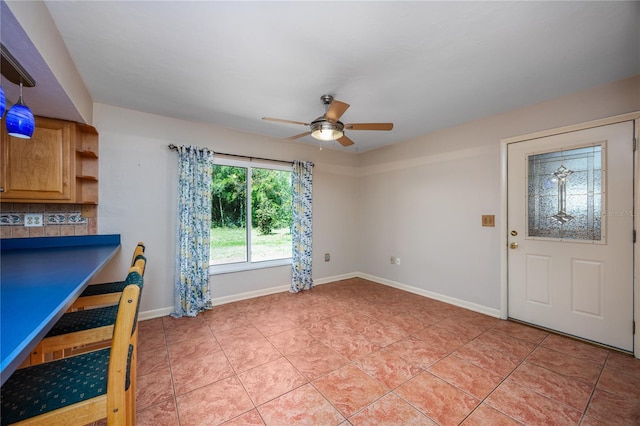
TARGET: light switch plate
(488,220)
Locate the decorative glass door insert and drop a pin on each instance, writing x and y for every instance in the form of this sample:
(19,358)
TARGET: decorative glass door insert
(565,194)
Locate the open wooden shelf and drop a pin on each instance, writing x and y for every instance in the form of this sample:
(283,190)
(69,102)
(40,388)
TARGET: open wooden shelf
(86,153)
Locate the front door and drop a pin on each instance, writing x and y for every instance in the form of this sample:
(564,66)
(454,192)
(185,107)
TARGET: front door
(570,224)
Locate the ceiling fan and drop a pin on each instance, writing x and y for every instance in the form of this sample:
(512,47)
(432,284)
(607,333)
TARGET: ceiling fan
(328,127)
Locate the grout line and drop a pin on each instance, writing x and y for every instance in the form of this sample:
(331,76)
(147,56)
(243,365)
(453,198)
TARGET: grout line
(504,380)
(175,397)
(595,387)
(235,373)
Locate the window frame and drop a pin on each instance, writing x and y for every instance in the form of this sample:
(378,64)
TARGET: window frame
(248,265)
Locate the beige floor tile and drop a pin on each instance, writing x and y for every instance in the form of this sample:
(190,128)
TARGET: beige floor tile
(317,360)
(153,388)
(302,406)
(553,385)
(271,380)
(214,404)
(162,414)
(388,368)
(577,368)
(390,410)
(440,401)
(349,389)
(356,352)
(529,407)
(466,376)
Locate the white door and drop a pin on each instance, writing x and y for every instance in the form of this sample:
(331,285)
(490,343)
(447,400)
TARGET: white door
(570,224)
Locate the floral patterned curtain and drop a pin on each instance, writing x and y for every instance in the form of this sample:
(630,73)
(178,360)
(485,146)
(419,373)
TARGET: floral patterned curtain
(302,225)
(192,292)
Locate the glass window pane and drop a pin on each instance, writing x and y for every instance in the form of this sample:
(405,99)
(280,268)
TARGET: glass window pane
(565,195)
(228,215)
(270,214)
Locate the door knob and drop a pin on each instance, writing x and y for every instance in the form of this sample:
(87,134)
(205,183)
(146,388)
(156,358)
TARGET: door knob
(513,246)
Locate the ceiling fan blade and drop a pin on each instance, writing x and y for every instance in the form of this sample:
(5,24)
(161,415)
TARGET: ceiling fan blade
(369,126)
(301,135)
(345,141)
(335,111)
(280,120)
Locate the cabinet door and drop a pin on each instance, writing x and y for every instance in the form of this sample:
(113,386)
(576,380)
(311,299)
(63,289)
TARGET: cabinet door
(38,169)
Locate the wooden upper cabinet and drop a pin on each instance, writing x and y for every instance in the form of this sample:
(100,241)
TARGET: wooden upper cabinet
(45,168)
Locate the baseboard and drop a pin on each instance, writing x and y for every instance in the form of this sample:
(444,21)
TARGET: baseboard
(249,295)
(156,313)
(216,301)
(437,296)
(327,280)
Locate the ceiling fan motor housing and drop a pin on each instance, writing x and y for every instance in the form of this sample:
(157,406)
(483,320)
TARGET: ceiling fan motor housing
(323,129)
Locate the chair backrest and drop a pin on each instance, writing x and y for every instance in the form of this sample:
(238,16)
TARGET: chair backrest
(122,350)
(140,248)
(138,266)
(136,278)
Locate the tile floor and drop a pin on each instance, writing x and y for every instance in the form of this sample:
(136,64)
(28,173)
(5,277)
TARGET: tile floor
(359,353)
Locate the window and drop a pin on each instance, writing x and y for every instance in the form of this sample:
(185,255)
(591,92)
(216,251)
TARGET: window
(250,232)
(565,194)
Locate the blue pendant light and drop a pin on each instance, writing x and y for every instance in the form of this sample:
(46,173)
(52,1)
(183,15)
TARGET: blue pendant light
(3,102)
(20,121)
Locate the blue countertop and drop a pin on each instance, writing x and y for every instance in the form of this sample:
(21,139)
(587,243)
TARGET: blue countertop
(40,278)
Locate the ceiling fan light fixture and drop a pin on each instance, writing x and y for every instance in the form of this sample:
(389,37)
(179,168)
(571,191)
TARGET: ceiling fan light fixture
(326,130)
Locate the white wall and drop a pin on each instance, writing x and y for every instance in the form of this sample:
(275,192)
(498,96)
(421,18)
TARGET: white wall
(138,178)
(34,18)
(428,214)
(422,200)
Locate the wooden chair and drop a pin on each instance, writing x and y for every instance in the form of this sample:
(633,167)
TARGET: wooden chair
(82,328)
(81,389)
(105,293)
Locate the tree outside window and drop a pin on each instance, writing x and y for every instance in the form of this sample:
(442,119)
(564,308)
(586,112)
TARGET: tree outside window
(246,230)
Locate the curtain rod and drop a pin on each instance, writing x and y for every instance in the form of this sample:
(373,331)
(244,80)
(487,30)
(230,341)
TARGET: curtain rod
(175,148)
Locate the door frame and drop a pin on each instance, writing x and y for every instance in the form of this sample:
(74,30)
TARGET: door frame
(504,143)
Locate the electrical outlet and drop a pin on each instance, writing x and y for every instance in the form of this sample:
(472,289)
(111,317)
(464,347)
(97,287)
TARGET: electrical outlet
(327,257)
(397,260)
(33,219)
(393,260)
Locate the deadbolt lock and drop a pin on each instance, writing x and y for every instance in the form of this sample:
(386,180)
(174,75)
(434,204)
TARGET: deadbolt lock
(514,233)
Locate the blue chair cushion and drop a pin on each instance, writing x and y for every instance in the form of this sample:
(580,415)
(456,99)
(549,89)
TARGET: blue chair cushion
(112,287)
(72,322)
(46,387)
(104,288)
(84,320)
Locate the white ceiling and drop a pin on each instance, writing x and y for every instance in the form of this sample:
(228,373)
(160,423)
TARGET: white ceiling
(421,65)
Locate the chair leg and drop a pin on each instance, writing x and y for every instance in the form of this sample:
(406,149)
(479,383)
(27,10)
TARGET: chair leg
(134,378)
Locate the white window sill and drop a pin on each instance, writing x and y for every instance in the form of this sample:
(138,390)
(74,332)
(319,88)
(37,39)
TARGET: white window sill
(246,266)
